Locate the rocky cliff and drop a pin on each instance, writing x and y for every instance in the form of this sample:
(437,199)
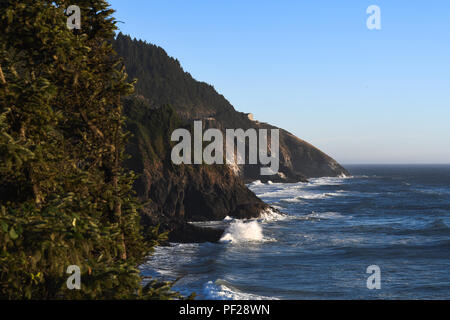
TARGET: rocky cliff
(176,194)
(161,80)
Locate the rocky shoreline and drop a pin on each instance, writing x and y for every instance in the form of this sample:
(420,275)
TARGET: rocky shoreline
(168,98)
(177,194)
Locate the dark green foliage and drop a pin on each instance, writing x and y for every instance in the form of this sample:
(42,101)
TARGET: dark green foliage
(65,198)
(162,80)
(152,126)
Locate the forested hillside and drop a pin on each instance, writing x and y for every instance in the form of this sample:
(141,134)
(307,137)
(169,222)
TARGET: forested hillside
(161,80)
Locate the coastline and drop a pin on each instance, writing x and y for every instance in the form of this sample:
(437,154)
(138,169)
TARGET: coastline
(322,247)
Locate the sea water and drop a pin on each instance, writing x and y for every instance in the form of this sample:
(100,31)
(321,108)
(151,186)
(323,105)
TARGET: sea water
(395,217)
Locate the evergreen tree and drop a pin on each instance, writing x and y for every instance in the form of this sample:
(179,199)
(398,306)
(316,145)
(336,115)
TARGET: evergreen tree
(65,198)
(163,81)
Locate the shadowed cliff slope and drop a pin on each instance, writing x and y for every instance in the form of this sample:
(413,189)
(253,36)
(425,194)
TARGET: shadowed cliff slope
(161,80)
(176,194)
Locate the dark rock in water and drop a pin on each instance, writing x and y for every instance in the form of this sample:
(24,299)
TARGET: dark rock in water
(176,194)
(188,233)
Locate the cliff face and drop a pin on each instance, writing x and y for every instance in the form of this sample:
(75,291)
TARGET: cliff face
(299,160)
(176,194)
(161,80)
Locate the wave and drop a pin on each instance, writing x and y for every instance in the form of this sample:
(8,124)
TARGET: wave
(323,215)
(249,230)
(328,181)
(323,181)
(292,200)
(319,195)
(314,196)
(239,231)
(271,215)
(436,228)
(268,215)
(255,183)
(435,191)
(222,290)
(301,190)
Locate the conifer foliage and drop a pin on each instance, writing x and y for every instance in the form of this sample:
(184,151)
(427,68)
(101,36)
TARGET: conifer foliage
(65,198)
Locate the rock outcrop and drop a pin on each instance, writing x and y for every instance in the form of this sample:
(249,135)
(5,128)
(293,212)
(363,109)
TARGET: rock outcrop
(161,80)
(176,194)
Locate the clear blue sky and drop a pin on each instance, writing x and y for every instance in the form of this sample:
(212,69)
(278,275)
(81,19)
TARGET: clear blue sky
(313,68)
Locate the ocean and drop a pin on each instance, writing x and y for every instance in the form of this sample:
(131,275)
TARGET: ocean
(396,217)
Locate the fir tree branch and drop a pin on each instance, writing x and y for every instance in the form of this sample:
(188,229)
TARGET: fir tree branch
(2,76)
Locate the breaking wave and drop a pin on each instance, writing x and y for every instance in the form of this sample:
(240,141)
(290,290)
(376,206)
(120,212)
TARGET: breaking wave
(222,290)
(271,215)
(386,216)
(323,215)
(239,231)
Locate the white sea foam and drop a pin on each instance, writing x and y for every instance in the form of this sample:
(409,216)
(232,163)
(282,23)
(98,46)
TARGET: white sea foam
(271,215)
(221,290)
(292,200)
(346,241)
(313,196)
(165,260)
(329,181)
(270,192)
(239,231)
(255,183)
(323,215)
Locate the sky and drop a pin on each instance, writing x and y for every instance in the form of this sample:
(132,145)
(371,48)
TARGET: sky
(316,70)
